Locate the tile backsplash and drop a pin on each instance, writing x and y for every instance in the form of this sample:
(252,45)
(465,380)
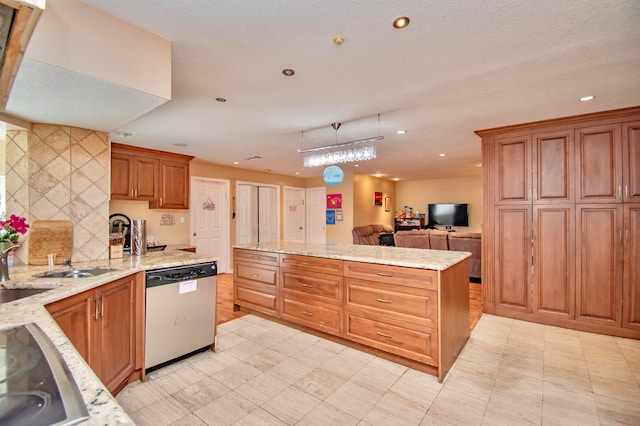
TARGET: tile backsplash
(62,173)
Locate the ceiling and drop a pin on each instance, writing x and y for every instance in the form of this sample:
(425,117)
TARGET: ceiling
(459,66)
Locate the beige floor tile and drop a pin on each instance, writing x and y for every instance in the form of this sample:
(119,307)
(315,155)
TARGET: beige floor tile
(429,420)
(314,355)
(179,378)
(344,364)
(296,343)
(616,370)
(272,338)
(236,323)
(599,345)
(138,395)
(319,383)
(266,359)
(189,420)
(291,405)
(326,414)
(623,391)
(522,360)
(160,413)
(492,418)
(244,350)
(261,388)
(378,374)
(201,393)
(259,417)
(517,396)
(615,411)
(226,410)
(251,331)
(211,364)
(570,398)
(392,409)
(561,415)
(290,370)
(470,386)
(479,370)
(227,341)
(237,374)
(417,387)
(354,399)
(458,408)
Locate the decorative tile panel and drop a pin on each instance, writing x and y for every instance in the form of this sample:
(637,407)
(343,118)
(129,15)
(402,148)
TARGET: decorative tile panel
(61,173)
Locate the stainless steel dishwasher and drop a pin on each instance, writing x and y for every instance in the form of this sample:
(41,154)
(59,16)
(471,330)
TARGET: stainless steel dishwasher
(180,313)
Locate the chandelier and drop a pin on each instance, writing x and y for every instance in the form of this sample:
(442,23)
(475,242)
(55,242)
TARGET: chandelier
(346,152)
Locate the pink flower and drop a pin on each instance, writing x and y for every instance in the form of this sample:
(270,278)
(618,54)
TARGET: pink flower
(11,228)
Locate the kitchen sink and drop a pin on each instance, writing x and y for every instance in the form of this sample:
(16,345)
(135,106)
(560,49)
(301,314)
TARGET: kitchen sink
(74,273)
(11,294)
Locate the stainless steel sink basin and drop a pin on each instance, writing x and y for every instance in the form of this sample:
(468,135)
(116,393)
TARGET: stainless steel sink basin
(74,273)
(11,294)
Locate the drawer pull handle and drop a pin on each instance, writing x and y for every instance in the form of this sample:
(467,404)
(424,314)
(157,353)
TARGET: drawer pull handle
(307,264)
(385,274)
(384,301)
(309,314)
(255,275)
(388,336)
(307,285)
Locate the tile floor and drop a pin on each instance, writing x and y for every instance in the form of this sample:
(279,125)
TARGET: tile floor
(510,373)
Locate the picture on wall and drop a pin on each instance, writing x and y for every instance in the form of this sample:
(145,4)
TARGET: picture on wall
(377,198)
(387,204)
(334,201)
(331,217)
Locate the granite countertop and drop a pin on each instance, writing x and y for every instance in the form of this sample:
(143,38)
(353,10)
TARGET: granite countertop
(438,260)
(103,408)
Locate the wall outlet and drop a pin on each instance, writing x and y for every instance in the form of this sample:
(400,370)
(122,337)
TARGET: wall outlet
(182,219)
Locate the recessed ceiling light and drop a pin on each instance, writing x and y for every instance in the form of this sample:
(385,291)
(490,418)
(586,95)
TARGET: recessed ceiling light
(443,155)
(378,175)
(401,22)
(587,98)
(122,134)
(356,165)
(179,144)
(401,132)
(236,162)
(288,72)
(221,100)
(338,40)
(297,173)
(395,179)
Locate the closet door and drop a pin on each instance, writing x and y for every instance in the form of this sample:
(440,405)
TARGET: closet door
(512,261)
(247,214)
(267,214)
(631,169)
(599,164)
(631,291)
(599,264)
(553,167)
(512,159)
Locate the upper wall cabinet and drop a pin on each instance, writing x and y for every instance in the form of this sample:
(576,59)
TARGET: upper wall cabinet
(162,178)
(631,156)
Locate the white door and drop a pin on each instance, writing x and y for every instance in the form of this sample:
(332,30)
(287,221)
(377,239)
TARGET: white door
(294,215)
(247,214)
(316,214)
(267,217)
(210,219)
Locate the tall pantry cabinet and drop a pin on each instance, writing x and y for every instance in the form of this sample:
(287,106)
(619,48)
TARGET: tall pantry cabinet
(562,207)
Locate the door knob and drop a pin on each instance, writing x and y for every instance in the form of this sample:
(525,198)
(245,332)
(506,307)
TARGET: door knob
(194,234)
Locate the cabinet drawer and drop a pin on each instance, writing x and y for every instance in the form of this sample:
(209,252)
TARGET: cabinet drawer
(319,317)
(414,344)
(312,264)
(410,277)
(255,299)
(325,286)
(255,273)
(256,256)
(419,303)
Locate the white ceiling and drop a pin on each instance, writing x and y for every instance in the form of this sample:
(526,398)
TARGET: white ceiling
(459,66)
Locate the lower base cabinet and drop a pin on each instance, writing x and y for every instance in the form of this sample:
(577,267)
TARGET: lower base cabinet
(105,324)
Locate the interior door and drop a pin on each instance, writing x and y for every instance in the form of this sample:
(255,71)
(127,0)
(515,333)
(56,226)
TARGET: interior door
(316,214)
(294,214)
(210,219)
(247,214)
(267,214)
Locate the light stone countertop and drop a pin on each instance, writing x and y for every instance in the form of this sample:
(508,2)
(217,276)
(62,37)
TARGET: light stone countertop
(438,260)
(103,408)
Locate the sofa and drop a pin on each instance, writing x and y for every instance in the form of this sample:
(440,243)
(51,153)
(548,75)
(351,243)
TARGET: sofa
(370,234)
(443,240)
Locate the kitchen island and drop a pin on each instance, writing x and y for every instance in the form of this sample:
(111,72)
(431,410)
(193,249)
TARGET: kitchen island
(410,305)
(102,407)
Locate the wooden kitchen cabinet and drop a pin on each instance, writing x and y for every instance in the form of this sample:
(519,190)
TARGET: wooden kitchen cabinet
(106,325)
(255,277)
(160,177)
(568,255)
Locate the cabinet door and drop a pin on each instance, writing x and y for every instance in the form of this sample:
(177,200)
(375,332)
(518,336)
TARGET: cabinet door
(512,259)
(599,263)
(513,170)
(553,167)
(76,316)
(631,293)
(174,185)
(121,176)
(554,257)
(631,169)
(598,164)
(146,179)
(117,331)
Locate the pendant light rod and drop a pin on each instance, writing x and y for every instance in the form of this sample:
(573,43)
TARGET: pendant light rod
(341,145)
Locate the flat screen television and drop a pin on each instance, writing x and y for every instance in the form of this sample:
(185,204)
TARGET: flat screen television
(448,214)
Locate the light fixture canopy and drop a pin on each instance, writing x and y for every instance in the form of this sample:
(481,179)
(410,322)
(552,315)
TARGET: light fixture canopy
(401,22)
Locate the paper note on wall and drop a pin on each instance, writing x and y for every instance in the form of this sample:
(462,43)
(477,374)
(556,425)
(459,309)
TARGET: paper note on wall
(188,286)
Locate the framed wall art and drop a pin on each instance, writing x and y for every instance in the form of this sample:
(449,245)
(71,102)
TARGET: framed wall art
(387,204)
(377,198)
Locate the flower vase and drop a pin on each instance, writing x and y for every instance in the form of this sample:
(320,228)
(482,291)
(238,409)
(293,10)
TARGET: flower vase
(5,248)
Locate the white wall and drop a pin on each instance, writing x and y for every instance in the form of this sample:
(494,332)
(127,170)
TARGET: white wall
(462,190)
